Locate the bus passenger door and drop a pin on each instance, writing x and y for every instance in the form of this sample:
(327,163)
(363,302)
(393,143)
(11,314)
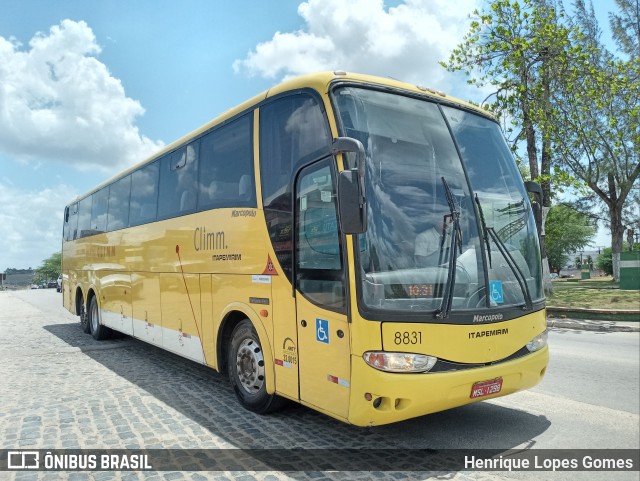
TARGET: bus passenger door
(323,329)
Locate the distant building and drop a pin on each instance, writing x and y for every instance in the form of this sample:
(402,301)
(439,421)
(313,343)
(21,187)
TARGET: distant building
(594,252)
(17,281)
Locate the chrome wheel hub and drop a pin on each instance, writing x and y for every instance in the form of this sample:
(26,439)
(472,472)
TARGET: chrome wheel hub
(250,366)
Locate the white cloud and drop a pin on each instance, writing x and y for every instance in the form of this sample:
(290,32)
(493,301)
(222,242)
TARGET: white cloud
(32,221)
(405,42)
(59,102)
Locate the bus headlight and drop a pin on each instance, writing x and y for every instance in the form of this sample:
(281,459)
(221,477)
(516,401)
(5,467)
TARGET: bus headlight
(399,361)
(537,342)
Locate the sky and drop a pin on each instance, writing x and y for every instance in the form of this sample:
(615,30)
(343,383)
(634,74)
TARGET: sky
(90,88)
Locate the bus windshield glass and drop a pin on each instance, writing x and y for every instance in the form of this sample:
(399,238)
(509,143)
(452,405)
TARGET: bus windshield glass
(439,240)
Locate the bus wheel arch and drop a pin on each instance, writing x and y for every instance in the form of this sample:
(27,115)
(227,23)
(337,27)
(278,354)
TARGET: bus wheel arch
(247,369)
(98,331)
(232,316)
(238,336)
(229,322)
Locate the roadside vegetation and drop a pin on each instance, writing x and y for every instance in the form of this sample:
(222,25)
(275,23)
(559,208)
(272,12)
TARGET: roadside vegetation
(570,100)
(49,270)
(599,293)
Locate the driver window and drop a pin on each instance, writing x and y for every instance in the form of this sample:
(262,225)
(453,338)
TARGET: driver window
(319,271)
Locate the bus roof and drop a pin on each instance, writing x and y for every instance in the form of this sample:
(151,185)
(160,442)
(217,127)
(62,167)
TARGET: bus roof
(321,82)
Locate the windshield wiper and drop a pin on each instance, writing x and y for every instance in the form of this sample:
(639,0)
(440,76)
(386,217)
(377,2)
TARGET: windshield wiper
(456,245)
(485,232)
(522,281)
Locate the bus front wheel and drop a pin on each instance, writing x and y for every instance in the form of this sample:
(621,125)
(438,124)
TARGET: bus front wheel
(98,331)
(247,370)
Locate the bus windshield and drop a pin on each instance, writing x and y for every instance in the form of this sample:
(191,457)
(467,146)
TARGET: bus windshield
(441,238)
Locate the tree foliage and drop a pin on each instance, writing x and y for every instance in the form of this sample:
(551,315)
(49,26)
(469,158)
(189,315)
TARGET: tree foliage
(568,230)
(50,269)
(625,26)
(512,48)
(566,95)
(13,270)
(596,111)
(604,261)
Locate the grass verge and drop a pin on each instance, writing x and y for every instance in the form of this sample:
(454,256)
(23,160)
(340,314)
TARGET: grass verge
(584,296)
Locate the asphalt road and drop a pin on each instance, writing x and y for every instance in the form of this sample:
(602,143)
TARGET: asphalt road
(589,399)
(596,368)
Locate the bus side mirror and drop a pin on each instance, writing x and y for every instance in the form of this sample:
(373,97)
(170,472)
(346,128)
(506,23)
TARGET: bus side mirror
(353,215)
(66,214)
(535,189)
(352,206)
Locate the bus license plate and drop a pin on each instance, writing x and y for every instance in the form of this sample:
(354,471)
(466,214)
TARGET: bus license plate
(485,388)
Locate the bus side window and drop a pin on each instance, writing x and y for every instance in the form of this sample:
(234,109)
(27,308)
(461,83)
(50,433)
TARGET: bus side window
(118,213)
(65,224)
(84,217)
(226,167)
(99,211)
(144,194)
(178,182)
(72,223)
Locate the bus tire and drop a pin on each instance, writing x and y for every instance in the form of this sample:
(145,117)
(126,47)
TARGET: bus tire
(246,370)
(98,331)
(84,318)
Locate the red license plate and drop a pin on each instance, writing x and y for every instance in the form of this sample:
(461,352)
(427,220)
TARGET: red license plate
(485,388)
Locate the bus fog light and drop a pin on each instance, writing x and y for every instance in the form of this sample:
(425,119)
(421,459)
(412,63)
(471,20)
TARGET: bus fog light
(537,342)
(399,361)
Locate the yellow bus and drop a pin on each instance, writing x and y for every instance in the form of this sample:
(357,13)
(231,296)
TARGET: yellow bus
(359,245)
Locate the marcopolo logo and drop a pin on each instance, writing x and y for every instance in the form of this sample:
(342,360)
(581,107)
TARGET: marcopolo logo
(487,317)
(243,213)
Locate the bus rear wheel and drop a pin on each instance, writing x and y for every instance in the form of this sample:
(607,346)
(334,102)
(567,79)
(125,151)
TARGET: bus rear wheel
(84,318)
(98,331)
(246,369)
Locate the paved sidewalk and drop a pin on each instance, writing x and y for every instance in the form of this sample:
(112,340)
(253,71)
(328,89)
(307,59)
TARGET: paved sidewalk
(61,389)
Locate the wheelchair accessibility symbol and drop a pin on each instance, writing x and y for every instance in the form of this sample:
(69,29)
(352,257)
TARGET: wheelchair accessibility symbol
(495,288)
(322,331)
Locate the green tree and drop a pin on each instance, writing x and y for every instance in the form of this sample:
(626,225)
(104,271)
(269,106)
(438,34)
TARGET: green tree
(568,230)
(50,269)
(626,27)
(604,261)
(13,270)
(597,113)
(514,47)
(566,94)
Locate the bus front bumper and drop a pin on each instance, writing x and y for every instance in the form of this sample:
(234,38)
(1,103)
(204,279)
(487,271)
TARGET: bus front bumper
(396,397)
